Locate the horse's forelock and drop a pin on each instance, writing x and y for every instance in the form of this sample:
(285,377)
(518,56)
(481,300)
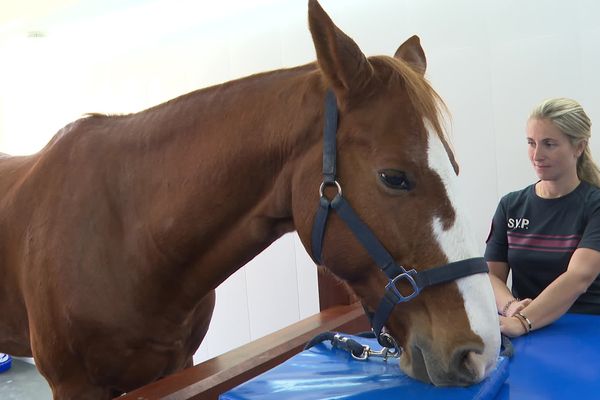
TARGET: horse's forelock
(422,96)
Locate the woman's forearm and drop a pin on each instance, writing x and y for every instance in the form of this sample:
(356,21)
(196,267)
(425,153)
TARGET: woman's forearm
(554,301)
(502,293)
(560,295)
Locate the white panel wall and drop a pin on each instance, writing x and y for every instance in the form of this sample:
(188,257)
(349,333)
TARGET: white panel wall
(491,61)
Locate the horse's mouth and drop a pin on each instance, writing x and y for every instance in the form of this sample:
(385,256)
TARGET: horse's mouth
(427,369)
(418,368)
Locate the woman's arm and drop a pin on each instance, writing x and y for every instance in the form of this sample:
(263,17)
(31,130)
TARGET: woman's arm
(506,303)
(560,295)
(498,276)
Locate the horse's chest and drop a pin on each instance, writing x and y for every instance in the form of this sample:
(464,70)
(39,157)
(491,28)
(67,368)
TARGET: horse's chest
(127,365)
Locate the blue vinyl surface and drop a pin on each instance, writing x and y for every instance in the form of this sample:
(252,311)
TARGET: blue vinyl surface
(561,361)
(325,373)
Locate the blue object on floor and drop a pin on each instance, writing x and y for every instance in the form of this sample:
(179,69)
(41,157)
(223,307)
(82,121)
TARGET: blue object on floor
(5,362)
(325,373)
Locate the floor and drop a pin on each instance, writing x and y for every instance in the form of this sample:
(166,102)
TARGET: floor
(23,382)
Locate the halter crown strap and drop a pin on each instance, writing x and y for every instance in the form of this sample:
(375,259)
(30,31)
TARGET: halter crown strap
(362,232)
(329,142)
(329,174)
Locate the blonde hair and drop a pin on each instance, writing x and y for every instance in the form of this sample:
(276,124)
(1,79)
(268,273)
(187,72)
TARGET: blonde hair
(569,116)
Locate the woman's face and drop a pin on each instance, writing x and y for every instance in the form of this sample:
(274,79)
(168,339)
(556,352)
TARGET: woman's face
(550,151)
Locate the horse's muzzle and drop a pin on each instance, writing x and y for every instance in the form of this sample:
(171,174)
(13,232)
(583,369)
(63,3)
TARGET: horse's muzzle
(466,366)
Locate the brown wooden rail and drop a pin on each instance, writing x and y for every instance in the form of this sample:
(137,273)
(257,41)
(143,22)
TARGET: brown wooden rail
(217,375)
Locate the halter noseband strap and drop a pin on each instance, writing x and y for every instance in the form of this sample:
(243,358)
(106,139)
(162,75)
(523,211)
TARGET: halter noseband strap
(395,273)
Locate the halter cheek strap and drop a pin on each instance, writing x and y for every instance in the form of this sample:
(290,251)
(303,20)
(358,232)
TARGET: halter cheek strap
(395,273)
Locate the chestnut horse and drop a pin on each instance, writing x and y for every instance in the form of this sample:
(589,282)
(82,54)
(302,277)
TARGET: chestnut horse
(114,237)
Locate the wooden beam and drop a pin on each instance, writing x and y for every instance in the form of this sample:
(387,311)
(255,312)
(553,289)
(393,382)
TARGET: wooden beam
(332,291)
(217,375)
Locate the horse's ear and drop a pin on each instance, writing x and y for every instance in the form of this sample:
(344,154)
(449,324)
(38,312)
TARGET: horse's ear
(412,52)
(341,61)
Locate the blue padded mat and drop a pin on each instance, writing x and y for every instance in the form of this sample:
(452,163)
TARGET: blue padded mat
(560,361)
(325,373)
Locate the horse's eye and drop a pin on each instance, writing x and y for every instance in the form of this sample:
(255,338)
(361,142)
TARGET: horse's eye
(395,179)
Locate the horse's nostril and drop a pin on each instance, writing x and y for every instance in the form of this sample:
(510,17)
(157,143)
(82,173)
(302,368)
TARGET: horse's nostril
(468,365)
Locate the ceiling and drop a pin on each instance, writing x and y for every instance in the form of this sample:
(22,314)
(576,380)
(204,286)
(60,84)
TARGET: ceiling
(37,18)
(29,12)
(25,16)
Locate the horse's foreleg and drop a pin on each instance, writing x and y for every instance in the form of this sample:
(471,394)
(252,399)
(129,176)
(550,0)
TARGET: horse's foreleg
(79,388)
(71,382)
(65,374)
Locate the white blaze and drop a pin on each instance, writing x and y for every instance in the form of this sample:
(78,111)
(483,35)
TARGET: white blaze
(458,243)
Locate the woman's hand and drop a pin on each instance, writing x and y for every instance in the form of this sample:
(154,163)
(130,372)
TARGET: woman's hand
(512,326)
(516,307)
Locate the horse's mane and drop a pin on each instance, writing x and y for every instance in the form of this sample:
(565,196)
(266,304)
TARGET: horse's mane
(181,102)
(233,84)
(102,115)
(423,97)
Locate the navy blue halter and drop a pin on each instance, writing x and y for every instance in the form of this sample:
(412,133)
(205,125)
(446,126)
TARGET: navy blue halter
(395,273)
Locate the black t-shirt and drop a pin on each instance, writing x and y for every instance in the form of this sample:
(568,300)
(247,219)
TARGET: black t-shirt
(538,236)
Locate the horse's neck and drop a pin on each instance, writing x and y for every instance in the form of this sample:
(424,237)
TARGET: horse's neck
(222,184)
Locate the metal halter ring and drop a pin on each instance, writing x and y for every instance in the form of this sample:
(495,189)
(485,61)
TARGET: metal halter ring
(385,340)
(323,184)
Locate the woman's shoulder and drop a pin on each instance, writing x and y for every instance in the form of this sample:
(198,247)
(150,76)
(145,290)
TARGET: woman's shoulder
(590,203)
(590,194)
(518,195)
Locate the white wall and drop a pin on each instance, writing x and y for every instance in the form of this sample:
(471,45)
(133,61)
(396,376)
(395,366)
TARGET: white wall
(491,61)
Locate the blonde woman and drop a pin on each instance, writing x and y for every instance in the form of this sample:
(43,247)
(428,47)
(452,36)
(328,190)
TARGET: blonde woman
(548,234)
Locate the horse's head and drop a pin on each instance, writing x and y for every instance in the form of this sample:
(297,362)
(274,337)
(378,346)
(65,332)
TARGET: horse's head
(397,172)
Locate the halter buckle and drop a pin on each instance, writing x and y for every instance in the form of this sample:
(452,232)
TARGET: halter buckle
(392,289)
